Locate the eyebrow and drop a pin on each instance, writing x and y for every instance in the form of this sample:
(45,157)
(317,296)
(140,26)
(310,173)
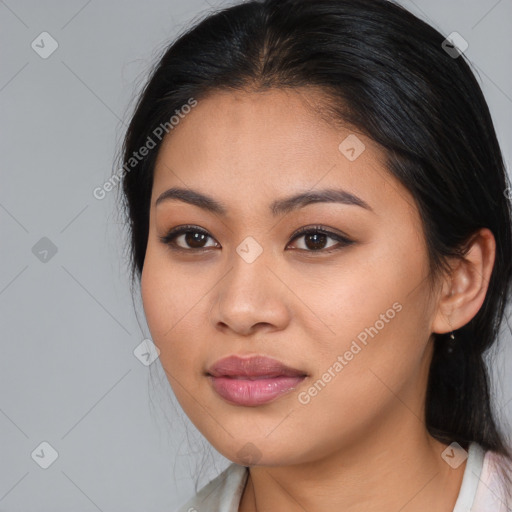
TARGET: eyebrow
(278,207)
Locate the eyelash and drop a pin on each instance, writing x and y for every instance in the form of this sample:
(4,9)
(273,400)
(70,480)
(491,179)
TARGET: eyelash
(343,241)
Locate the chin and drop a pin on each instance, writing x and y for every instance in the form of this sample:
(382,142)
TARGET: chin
(259,452)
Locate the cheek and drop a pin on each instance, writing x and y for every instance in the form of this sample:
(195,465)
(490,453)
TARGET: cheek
(376,317)
(343,299)
(157,302)
(174,309)
(171,311)
(166,295)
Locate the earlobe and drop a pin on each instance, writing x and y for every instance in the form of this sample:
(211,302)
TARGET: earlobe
(465,288)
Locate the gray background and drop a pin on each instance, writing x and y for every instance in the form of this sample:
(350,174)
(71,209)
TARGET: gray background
(68,374)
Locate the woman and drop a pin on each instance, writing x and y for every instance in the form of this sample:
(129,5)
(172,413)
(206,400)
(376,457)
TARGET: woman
(318,219)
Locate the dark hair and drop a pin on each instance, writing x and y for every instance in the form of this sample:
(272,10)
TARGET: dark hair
(388,74)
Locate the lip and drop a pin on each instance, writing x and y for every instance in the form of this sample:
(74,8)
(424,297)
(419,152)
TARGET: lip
(252,381)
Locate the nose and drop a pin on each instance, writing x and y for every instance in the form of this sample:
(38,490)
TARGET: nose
(251,297)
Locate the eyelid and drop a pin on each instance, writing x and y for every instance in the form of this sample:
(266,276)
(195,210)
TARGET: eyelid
(322,229)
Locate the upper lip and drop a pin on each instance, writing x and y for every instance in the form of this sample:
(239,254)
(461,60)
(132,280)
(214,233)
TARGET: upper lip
(253,366)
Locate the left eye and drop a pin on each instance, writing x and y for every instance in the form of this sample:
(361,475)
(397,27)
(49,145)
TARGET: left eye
(314,239)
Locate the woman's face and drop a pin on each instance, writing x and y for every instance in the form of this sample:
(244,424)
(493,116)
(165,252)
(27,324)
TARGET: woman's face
(353,317)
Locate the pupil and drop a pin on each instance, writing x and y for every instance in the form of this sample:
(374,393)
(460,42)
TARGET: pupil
(318,240)
(193,237)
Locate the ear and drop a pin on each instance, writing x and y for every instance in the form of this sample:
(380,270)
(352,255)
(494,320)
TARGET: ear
(465,288)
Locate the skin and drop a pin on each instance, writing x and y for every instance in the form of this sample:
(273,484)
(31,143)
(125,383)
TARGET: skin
(361,443)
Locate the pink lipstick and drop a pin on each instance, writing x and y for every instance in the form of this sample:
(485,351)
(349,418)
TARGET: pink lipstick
(253,381)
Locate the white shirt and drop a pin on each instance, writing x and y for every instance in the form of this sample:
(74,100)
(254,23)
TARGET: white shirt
(480,490)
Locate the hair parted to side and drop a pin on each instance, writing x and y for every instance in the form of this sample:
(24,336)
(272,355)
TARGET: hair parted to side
(385,72)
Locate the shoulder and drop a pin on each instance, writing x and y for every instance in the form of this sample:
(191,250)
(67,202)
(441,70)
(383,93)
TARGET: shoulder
(494,492)
(221,494)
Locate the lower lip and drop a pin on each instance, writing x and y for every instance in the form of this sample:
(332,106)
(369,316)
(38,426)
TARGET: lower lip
(253,392)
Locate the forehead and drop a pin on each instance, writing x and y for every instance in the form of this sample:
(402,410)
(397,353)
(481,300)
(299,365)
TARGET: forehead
(247,147)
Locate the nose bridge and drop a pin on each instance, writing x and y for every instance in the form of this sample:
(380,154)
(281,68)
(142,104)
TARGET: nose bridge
(249,264)
(250,293)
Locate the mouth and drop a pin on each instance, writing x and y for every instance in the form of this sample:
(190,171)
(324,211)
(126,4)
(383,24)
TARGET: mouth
(253,381)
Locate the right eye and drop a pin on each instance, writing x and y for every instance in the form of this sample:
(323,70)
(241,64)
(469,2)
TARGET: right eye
(193,236)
